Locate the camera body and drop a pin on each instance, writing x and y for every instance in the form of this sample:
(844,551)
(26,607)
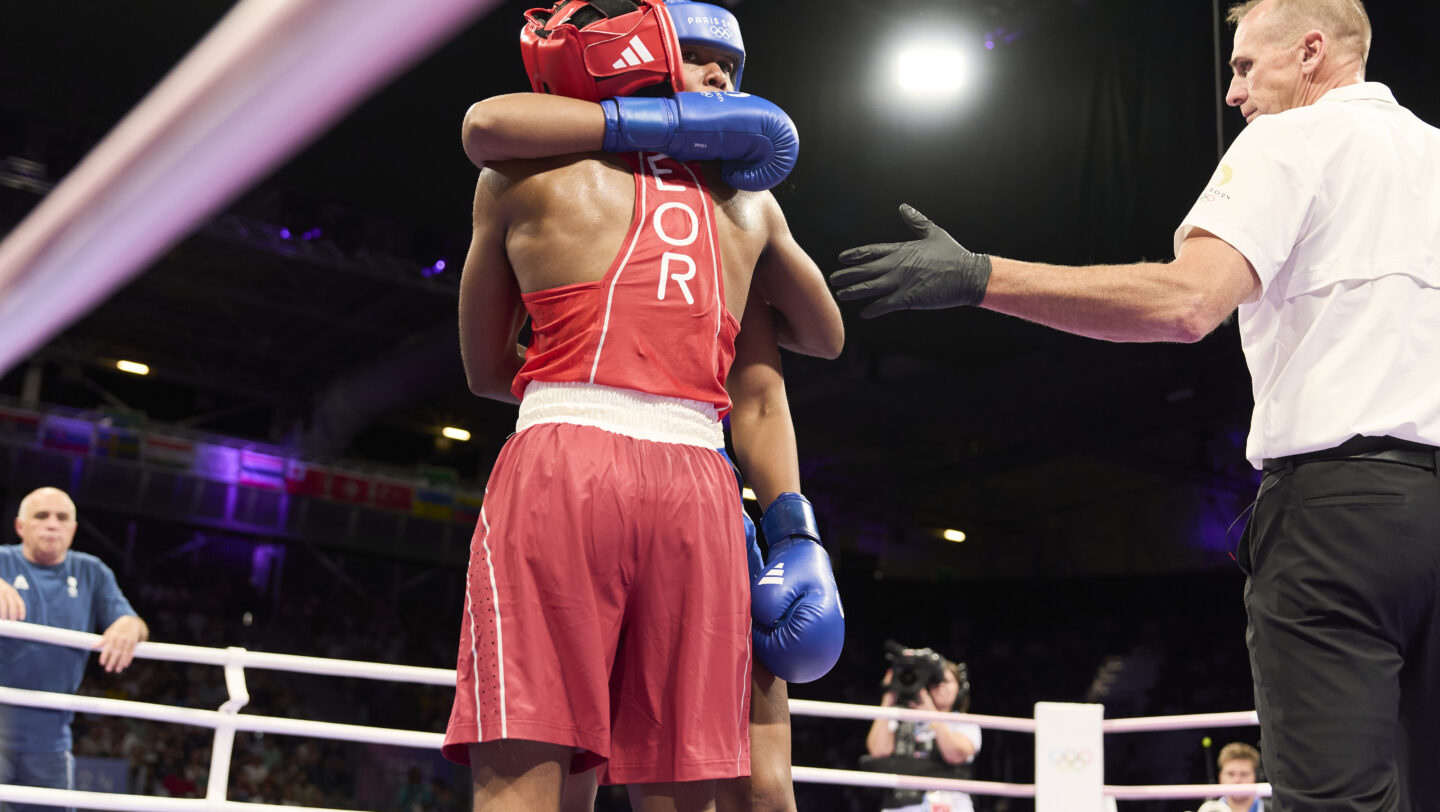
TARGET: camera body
(912,670)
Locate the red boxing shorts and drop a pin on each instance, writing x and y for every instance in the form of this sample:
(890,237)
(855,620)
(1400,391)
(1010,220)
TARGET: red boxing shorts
(608,603)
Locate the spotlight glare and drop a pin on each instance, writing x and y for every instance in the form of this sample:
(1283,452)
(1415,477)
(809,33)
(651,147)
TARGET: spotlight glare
(456,434)
(132,367)
(749,495)
(956,536)
(932,70)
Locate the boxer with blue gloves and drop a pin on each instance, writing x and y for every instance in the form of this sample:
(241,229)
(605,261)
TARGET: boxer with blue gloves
(618,388)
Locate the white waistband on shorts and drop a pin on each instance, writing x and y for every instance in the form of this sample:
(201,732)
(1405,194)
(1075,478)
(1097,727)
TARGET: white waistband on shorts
(623,411)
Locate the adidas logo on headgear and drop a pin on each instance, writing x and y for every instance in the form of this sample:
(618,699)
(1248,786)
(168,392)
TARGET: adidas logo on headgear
(628,57)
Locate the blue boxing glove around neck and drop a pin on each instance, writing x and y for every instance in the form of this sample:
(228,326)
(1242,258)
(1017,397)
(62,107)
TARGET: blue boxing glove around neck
(799,624)
(755,141)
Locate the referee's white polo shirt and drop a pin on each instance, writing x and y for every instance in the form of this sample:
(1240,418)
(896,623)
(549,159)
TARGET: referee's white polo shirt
(1337,205)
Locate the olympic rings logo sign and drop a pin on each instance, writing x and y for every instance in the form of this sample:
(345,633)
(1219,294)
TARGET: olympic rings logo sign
(1071,759)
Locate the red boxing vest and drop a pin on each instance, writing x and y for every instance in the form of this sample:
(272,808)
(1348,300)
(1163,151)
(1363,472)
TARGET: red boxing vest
(657,321)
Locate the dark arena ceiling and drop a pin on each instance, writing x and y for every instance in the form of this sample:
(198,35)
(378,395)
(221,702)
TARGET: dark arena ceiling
(1084,137)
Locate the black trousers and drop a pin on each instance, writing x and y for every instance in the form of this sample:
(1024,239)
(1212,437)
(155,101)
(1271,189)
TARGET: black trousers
(1344,627)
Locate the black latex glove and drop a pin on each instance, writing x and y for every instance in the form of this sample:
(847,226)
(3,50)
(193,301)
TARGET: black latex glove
(931,273)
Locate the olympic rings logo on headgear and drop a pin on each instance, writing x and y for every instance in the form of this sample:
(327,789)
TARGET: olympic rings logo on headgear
(721,33)
(1071,758)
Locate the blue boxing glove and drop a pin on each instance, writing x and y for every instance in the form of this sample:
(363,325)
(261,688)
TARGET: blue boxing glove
(755,139)
(799,623)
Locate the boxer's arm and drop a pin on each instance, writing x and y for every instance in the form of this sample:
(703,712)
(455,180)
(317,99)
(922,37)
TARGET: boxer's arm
(754,139)
(760,425)
(799,625)
(531,125)
(792,283)
(491,311)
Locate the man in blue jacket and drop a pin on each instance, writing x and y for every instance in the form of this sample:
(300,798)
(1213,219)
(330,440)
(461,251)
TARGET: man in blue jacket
(42,581)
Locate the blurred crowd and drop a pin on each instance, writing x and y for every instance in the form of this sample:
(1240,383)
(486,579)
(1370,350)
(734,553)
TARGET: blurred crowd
(174,760)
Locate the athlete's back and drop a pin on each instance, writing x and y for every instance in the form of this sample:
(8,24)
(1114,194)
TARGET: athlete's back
(567,219)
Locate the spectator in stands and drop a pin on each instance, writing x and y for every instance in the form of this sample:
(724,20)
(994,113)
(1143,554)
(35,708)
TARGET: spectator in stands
(1239,764)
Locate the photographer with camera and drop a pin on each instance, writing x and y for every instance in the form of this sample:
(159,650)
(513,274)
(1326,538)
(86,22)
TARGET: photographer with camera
(924,680)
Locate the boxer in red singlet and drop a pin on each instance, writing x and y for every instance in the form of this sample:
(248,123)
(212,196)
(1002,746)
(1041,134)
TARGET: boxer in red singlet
(607,617)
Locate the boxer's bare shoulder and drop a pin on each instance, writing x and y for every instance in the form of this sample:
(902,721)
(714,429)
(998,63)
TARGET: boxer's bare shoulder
(560,215)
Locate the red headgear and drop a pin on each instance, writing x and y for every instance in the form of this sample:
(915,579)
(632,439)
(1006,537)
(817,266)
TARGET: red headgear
(596,49)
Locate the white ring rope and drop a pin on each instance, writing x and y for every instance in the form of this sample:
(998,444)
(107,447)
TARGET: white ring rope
(205,718)
(1150,724)
(239,656)
(133,803)
(1169,791)
(856,778)
(265,81)
(836,710)
(228,720)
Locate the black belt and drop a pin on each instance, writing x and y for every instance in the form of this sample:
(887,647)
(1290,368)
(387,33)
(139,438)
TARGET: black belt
(1378,449)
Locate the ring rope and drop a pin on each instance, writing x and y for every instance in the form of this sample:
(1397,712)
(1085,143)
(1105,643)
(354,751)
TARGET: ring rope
(268,78)
(195,717)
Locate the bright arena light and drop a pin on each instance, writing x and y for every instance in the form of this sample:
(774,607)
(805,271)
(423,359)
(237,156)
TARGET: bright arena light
(133,367)
(956,536)
(749,495)
(933,70)
(455,434)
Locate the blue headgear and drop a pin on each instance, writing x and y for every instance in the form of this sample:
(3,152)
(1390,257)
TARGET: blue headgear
(706,24)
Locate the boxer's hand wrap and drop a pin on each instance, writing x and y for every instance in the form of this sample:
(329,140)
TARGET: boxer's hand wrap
(930,273)
(799,624)
(755,139)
